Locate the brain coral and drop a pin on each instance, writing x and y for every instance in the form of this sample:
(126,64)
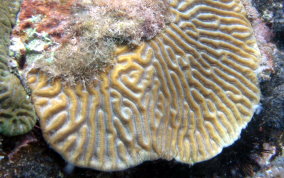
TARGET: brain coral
(17,115)
(183,95)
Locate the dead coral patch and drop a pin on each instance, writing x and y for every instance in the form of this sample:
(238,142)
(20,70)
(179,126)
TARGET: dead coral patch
(55,20)
(129,20)
(82,62)
(87,32)
(142,18)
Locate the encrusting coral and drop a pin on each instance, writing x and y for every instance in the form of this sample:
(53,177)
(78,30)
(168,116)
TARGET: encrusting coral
(184,94)
(17,115)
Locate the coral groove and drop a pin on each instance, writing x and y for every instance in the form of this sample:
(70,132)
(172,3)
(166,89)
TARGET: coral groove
(17,115)
(185,94)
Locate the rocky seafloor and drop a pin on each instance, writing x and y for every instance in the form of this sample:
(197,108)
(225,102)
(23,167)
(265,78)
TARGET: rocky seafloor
(258,152)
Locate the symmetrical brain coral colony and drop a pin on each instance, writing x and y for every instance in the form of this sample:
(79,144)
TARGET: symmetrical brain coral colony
(118,82)
(17,115)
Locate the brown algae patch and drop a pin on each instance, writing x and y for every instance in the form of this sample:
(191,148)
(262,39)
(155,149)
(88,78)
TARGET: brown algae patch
(76,40)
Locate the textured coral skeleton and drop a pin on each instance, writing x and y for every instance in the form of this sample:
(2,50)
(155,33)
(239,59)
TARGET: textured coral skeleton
(17,115)
(184,95)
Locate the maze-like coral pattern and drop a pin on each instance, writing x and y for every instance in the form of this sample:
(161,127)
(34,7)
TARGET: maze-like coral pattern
(17,115)
(8,11)
(185,94)
(5,31)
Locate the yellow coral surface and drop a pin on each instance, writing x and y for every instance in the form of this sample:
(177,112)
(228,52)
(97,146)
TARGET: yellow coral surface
(185,94)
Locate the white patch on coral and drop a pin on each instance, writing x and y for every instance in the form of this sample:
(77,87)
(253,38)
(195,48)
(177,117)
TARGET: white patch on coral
(16,46)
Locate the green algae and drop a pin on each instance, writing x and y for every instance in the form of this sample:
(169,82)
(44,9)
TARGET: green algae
(17,115)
